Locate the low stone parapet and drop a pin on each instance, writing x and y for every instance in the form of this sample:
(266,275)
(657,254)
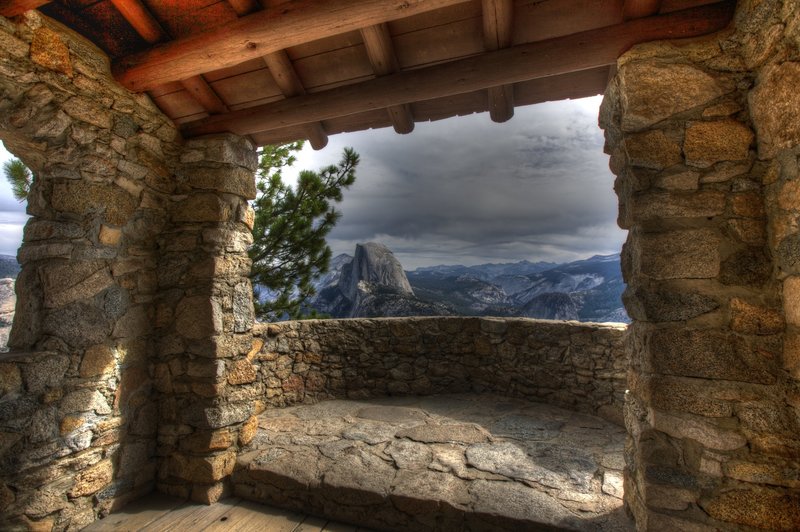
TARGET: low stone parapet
(577,365)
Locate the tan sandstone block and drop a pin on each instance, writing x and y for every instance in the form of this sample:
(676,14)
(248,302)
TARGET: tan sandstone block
(759,507)
(775,108)
(650,95)
(109,236)
(49,51)
(791,353)
(707,143)
(789,196)
(754,319)
(248,430)
(652,149)
(97,360)
(70,423)
(241,372)
(791,300)
(92,479)
(206,469)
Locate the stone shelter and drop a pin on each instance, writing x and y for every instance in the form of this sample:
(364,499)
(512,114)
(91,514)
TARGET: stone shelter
(136,363)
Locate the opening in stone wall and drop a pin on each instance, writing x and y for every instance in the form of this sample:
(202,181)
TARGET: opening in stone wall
(12,222)
(470,217)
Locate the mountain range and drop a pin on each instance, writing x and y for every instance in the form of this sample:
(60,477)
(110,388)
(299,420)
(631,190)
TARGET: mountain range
(372,283)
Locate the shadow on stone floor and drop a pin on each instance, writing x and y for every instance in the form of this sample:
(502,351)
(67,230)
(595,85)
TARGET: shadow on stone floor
(449,462)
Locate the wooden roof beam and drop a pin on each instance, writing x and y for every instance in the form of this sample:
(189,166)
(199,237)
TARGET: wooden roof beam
(580,51)
(258,34)
(149,29)
(380,51)
(280,66)
(640,8)
(244,7)
(498,25)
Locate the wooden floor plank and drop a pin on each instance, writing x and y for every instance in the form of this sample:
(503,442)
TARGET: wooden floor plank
(311,524)
(192,517)
(253,517)
(137,515)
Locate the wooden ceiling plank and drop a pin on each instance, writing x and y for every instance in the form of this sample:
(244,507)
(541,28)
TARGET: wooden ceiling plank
(244,7)
(380,50)
(145,24)
(581,51)
(199,89)
(640,8)
(498,26)
(280,66)
(258,34)
(12,8)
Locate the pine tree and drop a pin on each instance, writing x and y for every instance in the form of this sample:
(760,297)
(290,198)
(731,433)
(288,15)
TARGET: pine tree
(20,178)
(289,250)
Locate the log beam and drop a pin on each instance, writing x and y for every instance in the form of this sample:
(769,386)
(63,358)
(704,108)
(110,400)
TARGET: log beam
(244,7)
(380,51)
(640,8)
(280,66)
(12,8)
(138,16)
(199,89)
(498,25)
(258,34)
(580,51)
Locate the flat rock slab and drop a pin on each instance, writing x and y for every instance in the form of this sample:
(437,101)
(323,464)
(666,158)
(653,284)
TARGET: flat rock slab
(454,462)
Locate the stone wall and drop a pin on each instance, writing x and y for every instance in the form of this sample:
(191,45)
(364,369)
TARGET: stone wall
(572,364)
(703,137)
(133,299)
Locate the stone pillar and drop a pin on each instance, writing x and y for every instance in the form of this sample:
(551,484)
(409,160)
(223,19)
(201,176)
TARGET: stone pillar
(204,317)
(712,410)
(77,417)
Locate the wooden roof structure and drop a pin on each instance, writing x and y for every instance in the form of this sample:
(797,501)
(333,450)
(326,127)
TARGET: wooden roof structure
(281,70)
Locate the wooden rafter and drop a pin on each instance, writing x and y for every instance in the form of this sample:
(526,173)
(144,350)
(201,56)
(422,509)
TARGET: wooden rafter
(146,25)
(244,7)
(580,51)
(380,51)
(12,8)
(261,33)
(498,24)
(640,8)
(138,16)
(280,66)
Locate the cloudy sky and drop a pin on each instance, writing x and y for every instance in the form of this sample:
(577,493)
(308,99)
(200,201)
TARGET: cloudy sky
(464,190)
(469,191)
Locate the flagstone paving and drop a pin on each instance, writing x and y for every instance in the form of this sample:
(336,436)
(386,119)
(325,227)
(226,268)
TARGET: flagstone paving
(450,462)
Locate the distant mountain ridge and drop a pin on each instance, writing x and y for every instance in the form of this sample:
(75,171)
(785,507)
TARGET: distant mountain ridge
(371,285)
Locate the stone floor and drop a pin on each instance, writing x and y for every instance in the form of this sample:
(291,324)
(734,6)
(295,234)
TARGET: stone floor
(454,462)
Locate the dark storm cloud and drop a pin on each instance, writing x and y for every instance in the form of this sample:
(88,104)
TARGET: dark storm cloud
(467,190)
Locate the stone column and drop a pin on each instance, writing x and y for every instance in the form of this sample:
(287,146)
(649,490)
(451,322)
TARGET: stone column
(77,417)
(204,317)
(712,408)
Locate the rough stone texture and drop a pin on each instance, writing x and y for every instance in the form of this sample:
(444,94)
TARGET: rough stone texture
(491,466)
(712,262)
(115,335)
(572,364)
(205,381)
